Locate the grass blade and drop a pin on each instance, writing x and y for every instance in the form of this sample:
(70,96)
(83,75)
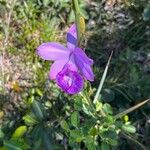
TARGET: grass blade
(102,80)
(131,109)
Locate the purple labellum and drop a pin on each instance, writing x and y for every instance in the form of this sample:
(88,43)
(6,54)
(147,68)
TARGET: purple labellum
(69,81)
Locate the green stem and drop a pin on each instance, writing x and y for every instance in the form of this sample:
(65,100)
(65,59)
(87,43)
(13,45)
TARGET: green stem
(77,19)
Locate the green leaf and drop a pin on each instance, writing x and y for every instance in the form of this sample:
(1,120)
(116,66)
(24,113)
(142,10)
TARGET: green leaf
(76,135)
(78,103)
(91,146)
(107,109)
(30,119)
(64,125)
(15,144)
(19,132)
(84,13)
(90,143)
(71,17)
(39,92)
(113,142)
(37,108)
(105,146)
(108,134)
(75,119)
(129,128)
(93,131)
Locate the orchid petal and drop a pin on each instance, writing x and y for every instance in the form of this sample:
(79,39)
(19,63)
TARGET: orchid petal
(72,37)
(84,68)
(58,66)
(82,56)
(52,51)
(88,72)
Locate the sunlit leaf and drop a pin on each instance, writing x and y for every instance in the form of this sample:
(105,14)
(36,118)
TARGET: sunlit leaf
(129,128)
(19,132)
(30,119)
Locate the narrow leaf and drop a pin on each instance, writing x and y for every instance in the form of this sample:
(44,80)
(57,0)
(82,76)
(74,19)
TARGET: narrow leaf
(103,79)
(131,109)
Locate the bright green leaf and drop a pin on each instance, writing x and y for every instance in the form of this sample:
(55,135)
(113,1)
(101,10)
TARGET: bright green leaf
(30,119)
(19,132)
(129,128)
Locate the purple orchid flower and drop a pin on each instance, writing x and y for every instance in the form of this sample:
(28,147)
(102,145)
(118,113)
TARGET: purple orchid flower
(71,65)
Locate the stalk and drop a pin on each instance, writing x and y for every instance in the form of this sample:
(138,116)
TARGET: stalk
(77,19)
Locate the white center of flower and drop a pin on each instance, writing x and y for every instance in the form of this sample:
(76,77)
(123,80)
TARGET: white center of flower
(68,80)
